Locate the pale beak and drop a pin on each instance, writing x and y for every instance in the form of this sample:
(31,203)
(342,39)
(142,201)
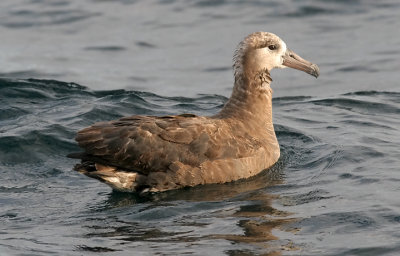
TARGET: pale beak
(292,60)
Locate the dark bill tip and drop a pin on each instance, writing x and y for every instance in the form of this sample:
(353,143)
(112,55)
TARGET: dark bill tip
(314,71)
(292,60)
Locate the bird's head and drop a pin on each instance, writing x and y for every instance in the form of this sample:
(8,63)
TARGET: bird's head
(264,51)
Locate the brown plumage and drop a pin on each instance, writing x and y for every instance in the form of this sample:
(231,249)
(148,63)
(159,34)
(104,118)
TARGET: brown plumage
(153,154)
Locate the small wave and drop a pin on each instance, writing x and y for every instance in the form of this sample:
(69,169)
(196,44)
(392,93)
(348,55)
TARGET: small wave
(359,106)
(341,222)
(217,69)
(21,74)
(358,68)
(32,18)
(17,189)
(97,249)
(145,44)
(285,132)
(109,48)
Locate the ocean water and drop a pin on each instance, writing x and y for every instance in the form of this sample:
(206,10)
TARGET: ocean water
(67,64)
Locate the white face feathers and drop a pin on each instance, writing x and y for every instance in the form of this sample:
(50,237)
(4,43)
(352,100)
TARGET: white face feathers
(268,57)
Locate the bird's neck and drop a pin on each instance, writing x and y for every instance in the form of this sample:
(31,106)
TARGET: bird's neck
(251,99)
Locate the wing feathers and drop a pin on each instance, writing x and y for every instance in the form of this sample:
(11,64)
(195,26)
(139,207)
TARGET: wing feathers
(152,144)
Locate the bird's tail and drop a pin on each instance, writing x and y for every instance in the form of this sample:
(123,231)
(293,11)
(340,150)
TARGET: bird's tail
(119,180)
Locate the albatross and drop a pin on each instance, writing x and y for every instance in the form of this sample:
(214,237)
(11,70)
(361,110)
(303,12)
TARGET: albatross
(158,153)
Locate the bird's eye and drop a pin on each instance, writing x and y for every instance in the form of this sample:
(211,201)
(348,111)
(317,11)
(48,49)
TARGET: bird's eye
(272,47)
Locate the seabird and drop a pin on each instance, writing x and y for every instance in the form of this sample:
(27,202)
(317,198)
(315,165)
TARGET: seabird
(158,153)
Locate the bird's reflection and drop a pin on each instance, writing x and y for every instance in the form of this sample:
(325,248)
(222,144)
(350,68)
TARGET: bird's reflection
(247,203)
